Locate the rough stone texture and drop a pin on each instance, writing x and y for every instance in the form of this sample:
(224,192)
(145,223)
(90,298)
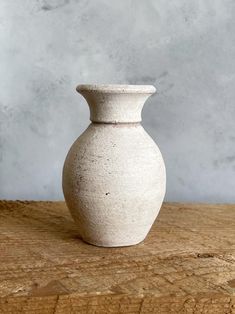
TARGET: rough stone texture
(185,265)
(114,177)
(185,48)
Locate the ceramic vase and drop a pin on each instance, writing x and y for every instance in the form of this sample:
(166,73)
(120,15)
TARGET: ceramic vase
(114,174)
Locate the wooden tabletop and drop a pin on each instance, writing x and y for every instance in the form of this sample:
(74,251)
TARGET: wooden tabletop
(186,264)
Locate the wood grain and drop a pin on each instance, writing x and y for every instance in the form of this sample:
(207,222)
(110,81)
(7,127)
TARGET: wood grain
(186,264)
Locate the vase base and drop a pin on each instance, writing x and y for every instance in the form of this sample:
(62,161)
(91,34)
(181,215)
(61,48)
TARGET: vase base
(113,244)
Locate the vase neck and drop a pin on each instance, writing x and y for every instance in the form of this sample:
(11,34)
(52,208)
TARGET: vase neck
(115,103)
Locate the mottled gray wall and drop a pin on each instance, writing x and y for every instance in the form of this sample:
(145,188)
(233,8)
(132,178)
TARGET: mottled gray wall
(186,48)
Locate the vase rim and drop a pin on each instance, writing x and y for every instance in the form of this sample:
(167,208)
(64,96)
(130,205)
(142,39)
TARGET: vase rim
(116,88)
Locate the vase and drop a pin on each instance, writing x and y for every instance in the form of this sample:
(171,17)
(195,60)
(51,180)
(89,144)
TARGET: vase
(114,174)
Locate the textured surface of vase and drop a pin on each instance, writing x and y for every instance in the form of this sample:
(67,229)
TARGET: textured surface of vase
(114,174)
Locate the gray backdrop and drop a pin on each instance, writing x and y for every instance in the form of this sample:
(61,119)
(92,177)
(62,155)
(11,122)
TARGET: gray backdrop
(186,48)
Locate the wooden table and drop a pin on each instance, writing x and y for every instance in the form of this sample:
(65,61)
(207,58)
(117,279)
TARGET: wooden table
(186,264)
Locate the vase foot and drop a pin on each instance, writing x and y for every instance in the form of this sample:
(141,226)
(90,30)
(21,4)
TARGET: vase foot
(113,244)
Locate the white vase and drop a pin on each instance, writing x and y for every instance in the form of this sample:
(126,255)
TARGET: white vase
(114,175)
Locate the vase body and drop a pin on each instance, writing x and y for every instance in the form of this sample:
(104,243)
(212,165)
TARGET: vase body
(114,175)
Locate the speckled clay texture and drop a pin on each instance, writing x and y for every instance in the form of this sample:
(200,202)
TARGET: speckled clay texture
(114,174)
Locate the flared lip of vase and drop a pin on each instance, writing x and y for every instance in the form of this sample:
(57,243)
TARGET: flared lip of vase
(116,88)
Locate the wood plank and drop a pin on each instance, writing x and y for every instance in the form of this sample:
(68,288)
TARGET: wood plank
(185,265)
